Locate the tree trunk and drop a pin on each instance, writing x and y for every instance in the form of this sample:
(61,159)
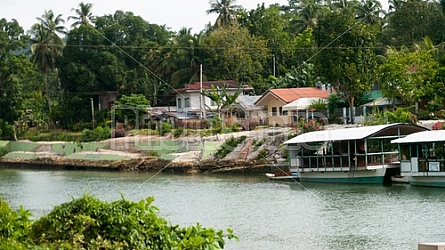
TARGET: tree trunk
(48,100)
(351,109)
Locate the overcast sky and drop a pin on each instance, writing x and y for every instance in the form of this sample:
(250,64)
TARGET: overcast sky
(173,13)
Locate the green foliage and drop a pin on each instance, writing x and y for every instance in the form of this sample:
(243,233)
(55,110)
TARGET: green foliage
(376,118)
(402,115)
(6,130)
(238,60)
(319,104)
(349,61)
(257,144)
(88,223)
(228,146)
(262,155)
(302,76)
(409,76)
(178,132)
(97,134)
(14,226)
(54,135)
(165,128)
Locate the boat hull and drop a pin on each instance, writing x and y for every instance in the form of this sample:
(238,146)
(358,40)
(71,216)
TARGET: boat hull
(375,176)
(283,177)
(427,181)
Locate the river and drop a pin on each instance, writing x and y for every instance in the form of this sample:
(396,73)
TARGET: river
(263,213)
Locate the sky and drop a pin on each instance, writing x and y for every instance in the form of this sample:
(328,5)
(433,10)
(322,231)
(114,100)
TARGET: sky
(175,14)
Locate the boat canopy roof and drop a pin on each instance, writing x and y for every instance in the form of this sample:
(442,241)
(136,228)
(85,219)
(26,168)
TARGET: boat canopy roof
(424,136)
(357,133)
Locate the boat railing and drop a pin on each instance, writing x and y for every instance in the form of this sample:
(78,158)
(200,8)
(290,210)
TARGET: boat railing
(382,158)
(345,162)
(326,162)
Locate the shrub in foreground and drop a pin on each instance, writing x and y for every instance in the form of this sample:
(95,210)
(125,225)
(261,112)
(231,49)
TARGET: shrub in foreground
(88,223)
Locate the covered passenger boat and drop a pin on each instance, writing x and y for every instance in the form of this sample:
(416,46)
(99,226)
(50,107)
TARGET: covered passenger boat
(422,156)
(348,155)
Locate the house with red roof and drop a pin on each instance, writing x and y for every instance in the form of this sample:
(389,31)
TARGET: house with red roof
(274,99)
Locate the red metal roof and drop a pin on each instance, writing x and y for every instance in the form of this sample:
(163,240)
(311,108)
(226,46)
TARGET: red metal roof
(291,94)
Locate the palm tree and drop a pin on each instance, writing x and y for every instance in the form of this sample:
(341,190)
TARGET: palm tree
(395,4)
(345,7)
(53,24)
(46,45)
(308,17)
(225,9)
(369,11)
(190,49)
(84,15)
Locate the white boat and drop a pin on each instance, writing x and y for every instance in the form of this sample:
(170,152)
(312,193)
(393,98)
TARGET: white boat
(349,155)
(422,158)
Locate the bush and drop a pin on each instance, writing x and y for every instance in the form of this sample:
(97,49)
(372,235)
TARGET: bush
(178,132)
(165,128)
(261,155)
(6,129)
(303,126)
(402,115)
(229,145)
(88,223)
(97,134)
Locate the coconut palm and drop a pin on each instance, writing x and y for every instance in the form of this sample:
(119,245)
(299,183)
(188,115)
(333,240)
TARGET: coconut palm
(225,9)
(192,55)
(344,7)
(369,11)
(395,4)
(307,17)
(45,47)
(84,15)
(53,24)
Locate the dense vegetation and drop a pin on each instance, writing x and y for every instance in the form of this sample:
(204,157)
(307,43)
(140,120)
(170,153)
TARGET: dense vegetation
(88,223)
(50,75)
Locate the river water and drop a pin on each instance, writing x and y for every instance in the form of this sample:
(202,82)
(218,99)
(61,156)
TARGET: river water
(263,213)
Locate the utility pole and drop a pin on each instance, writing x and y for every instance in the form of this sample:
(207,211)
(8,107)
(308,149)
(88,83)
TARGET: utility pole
(92,110)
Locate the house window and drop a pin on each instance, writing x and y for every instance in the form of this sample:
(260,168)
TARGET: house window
(179,103)
(187,102)
(274,111)
(283,112)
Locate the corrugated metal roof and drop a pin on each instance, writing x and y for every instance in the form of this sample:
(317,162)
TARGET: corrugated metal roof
(424,136)
(354,133)
(291,94)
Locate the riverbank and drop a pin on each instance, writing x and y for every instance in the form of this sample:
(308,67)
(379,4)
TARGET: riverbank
(154,153)
(257,153)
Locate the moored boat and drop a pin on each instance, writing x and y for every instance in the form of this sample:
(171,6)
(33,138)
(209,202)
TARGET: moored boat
(349,155)
(423,158)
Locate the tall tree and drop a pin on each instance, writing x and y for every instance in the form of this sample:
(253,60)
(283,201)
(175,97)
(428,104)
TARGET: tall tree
(53,24)
(226,11)
(413,21)
(409,76)
(84,16)
(16,72)
(370,12)
(347,60)
(46,45)
(234,54)
(191,54)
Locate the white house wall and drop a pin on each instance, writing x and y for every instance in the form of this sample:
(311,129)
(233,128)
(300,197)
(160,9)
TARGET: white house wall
(195,101)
